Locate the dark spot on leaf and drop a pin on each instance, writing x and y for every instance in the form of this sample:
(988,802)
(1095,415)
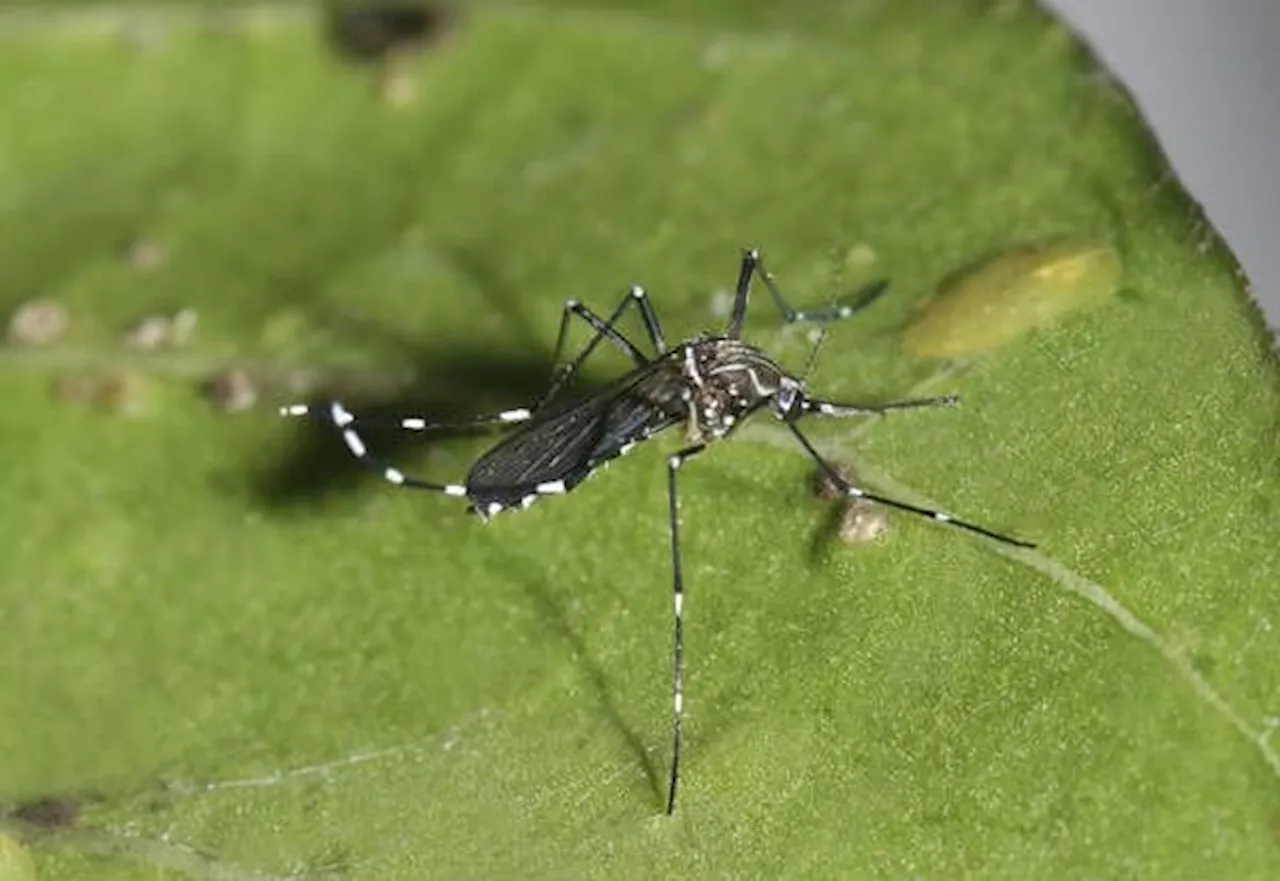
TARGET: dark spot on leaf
(1131,295)
(370,31)
(49,812)
(450,386)
(824,487)
(551,610)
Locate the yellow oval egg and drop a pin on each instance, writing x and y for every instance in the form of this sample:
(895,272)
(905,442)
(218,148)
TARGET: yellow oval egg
(1004,296)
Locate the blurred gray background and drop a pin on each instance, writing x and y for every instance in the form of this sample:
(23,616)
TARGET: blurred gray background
(1207,75)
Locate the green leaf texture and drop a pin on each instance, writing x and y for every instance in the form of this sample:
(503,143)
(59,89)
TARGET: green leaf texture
(227,652)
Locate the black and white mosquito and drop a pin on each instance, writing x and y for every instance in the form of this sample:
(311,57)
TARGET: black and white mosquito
(711,384)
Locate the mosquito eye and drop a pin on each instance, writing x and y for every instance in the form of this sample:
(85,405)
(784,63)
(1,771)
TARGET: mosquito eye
(785,399)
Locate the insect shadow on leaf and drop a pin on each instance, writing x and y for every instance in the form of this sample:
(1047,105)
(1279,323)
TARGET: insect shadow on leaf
(48,812)
(457,383)
(551,613)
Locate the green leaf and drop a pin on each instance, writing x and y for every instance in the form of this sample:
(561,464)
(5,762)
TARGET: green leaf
(228,652)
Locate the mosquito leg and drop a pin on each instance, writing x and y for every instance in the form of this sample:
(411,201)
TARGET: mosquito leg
(677,697)
(650,318)
(604,329)
(830,408)
(486,500)
(408,423)
(753,264)
(867,295)
(937,516)
(344,422)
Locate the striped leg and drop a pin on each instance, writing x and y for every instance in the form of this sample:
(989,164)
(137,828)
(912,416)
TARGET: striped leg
(829,408)
(345,422)
(605,328)
(406,423)
(677,698)
(753,264)
(859,493)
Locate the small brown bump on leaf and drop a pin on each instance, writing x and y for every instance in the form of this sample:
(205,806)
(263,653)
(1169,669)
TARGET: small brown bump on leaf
(233,390)
(38,323)
(49,812)
(861,520)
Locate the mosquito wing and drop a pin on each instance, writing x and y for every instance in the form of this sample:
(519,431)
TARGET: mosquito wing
(565,445)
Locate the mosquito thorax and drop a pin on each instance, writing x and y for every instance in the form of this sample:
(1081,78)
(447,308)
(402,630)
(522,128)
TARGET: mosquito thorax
(725,381)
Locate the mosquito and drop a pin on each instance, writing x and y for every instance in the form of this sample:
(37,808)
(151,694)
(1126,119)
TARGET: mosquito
(711,384)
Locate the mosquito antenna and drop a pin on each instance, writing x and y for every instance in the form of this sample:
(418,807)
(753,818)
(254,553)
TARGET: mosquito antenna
(813,354)
(867,295)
